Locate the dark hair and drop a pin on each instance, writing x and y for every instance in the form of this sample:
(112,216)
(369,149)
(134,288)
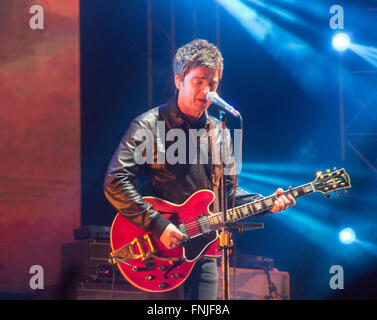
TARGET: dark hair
(197,53)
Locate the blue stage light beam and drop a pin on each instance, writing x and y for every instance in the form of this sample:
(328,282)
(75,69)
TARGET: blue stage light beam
(369,247)
(266,179)
(282,13)
(309,218)
(312,228)
(298,169)
(315,8)
(368,53)
(287,49)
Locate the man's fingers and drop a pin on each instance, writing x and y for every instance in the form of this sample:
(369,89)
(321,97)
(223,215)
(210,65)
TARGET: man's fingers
(178,235)
(283,202)
(172,237)
(292,200)
(287,202)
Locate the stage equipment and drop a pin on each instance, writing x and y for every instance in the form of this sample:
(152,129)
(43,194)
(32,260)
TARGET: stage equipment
(254,284)
(341,41)
(92,232)
(347,236)
(252,262)
(88,260)
(214,98)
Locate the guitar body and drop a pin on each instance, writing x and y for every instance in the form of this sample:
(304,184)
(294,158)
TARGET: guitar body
(166,269)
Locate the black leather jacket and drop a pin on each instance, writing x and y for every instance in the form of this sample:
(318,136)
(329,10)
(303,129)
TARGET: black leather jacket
(126,181)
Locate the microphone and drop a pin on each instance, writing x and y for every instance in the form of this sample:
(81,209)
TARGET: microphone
(215,99)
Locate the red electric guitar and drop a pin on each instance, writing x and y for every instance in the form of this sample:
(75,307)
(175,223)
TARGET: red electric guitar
(148,265)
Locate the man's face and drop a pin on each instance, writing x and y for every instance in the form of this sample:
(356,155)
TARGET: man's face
(194,88)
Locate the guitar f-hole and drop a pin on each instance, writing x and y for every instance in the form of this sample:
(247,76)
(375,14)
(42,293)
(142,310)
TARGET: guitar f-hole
(176,264)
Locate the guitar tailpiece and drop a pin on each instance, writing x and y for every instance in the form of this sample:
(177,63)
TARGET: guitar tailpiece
(119,260)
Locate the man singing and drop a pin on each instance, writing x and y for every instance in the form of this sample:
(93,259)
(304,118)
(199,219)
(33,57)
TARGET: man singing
(198,69)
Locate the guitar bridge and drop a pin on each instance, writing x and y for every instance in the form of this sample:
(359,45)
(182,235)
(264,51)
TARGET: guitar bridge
(139,248)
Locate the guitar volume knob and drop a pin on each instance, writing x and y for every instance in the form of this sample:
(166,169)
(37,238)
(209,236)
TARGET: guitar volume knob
(163,285)
(162,267)
(149,277)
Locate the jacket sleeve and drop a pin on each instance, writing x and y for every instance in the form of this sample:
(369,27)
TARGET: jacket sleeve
(120,180)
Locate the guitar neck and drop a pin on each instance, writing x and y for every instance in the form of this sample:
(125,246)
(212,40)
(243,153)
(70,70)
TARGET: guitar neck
(257,207)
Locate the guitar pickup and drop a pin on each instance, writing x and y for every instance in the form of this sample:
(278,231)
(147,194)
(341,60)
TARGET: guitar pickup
(181,227)
(204,223)
(139,248)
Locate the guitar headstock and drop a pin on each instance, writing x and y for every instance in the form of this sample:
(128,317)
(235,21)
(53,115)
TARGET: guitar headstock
(332,181)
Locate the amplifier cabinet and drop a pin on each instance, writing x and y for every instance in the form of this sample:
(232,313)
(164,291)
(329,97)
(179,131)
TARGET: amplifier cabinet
(88,259)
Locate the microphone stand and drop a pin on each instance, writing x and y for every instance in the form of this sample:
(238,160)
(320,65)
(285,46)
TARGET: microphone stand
(225,236)
(272,290)
(226,242)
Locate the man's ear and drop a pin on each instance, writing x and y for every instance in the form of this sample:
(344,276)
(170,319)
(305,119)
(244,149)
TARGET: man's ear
(178,82)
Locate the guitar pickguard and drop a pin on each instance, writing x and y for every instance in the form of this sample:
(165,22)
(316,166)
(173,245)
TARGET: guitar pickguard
(194,247)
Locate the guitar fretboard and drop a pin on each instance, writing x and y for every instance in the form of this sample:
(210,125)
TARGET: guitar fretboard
(257,207)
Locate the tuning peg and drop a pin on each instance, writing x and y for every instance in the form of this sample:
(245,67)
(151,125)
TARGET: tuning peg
(328,196)
(344,191)
(327,171)
(335,169)
(336,193)
(319,173)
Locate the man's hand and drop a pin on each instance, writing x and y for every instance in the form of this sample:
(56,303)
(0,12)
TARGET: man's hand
(171,237)
(283,202)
